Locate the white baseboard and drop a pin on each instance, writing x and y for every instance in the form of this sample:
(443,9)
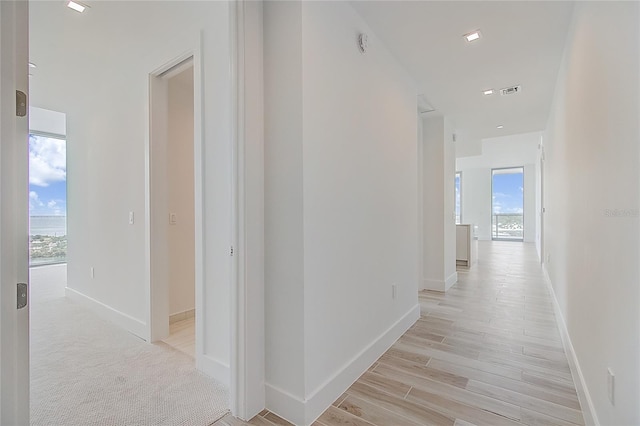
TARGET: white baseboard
(129,323)
(305,412)
(215,369)
(433,285)
(588,408)
(285,405)
(440,285)
(451,280)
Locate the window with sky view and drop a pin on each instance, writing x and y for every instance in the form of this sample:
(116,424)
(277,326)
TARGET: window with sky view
(47,199)
(508,203)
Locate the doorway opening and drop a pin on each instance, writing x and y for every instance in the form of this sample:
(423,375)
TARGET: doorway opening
(173,200)
(507,206)
(181,211)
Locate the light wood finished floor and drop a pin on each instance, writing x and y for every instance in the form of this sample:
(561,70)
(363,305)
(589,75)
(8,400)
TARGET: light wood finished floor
(182,336)
(488,352)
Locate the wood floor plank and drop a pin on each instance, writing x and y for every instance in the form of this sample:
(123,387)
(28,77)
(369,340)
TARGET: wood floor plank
(564,375)
(374,413)
(460,411)
(383,384)
(528,402)
(561,364)
(409,356)
(229,420)
(418,370)
(534,418)
(402,407)
(422,333)
(547,346)
(260,421)
(507,371)
(452,392)
(276,420)
(548,382)
(336,417)
(480,345)
(544,354)
(463,423)
(562,398)
(418,341)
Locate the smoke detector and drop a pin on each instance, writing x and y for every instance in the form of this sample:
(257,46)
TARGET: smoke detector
(510,90)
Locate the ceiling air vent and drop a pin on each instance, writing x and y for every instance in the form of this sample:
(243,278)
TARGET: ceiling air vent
(510,90)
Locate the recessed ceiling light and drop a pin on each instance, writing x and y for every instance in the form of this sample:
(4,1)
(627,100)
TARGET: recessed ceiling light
(488,92)
(500,127)
(472,36)
(76,6)
(32,65)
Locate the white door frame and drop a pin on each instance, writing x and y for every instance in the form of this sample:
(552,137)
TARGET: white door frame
(156,280)
(14,258)
(247,291)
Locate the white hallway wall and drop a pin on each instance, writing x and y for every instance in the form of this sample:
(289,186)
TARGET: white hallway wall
(340,203)
(438,230)
(592,171)
(506,151)
(97,73)
(46,121)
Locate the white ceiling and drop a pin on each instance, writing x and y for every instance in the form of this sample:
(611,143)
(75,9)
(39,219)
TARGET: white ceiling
(522,43)
(64,42)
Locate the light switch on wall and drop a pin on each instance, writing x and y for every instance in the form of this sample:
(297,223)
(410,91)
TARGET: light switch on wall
(172,219)
(131,218)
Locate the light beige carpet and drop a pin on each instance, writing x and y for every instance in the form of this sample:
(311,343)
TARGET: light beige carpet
(86,371)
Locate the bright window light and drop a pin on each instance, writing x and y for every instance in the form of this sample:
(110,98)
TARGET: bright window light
(472,36)
(75,6)
(488,92)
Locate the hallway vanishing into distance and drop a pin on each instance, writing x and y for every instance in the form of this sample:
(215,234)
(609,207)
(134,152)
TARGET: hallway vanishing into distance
(488,352)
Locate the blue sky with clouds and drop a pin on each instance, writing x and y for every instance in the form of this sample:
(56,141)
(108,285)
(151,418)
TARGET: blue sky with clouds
(508,192)
(47,176)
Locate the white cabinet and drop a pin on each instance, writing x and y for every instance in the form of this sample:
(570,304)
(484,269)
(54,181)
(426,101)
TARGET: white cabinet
(466,246)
